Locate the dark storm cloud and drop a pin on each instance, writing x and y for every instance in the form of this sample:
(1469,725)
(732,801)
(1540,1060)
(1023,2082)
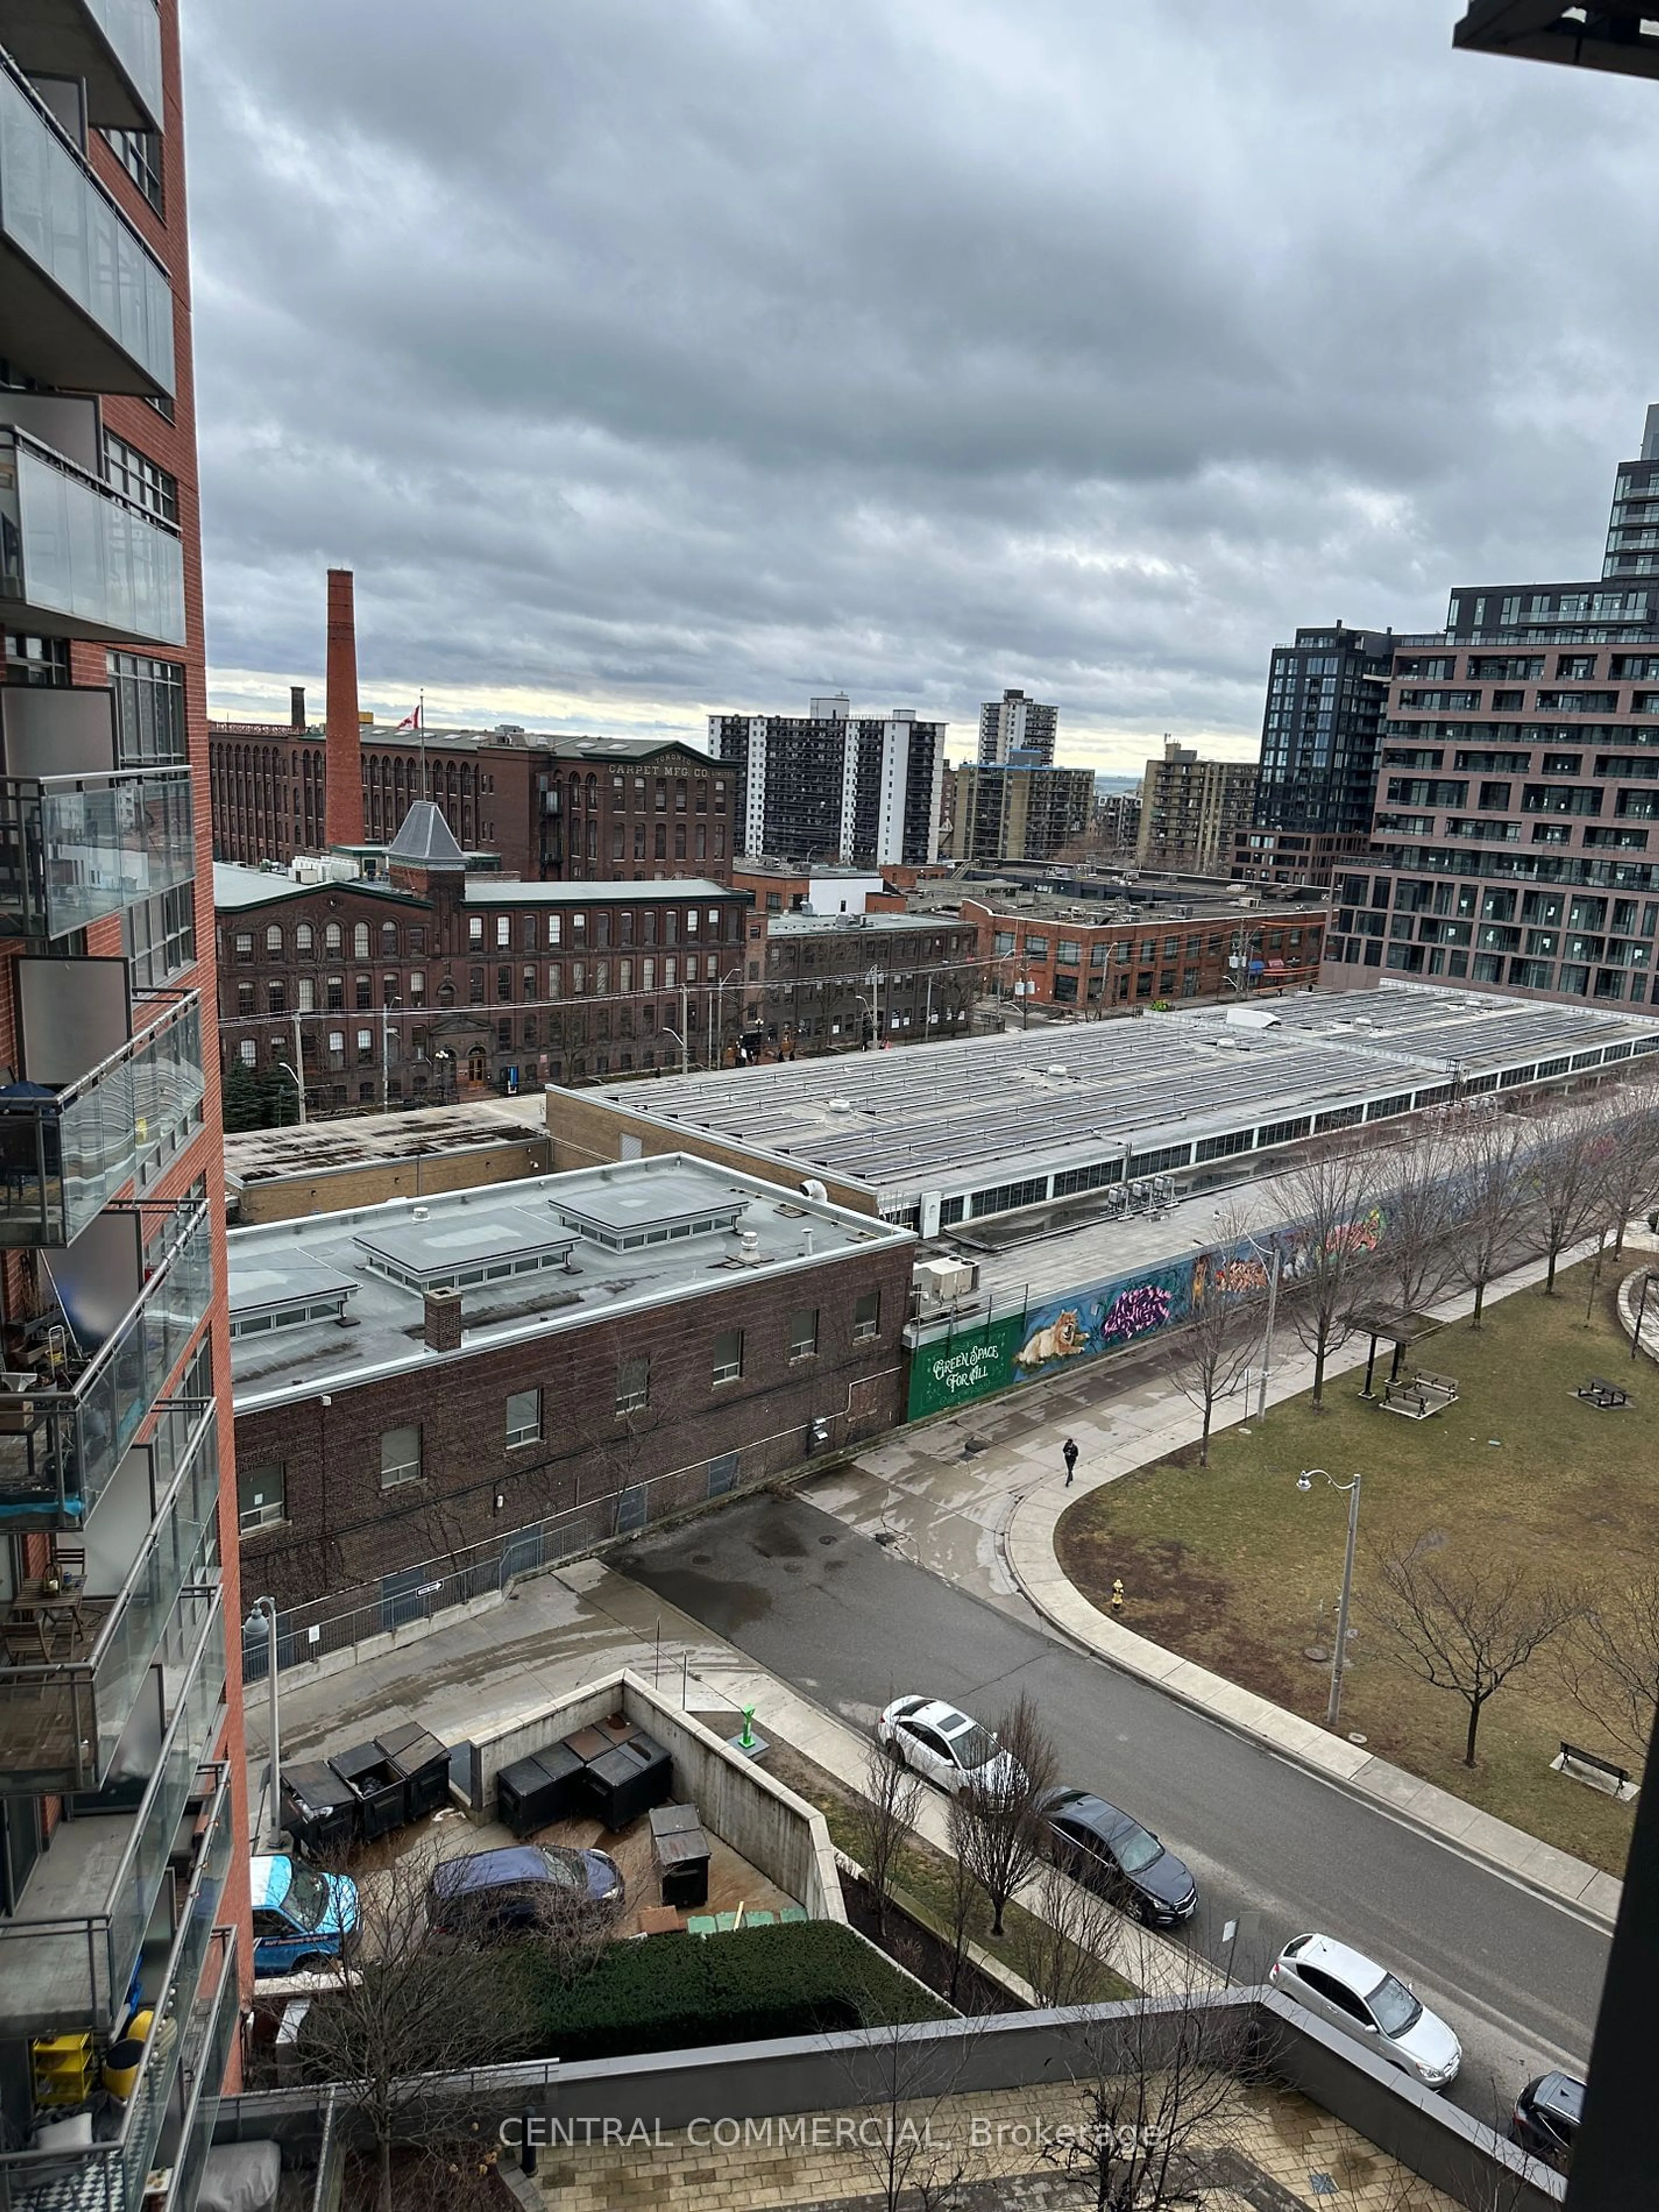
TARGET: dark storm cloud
(646,358)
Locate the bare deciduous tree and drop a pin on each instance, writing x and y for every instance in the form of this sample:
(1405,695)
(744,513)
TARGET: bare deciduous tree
(1609,1660)
(1488,1155)
(961,1891)
(1162,2084)
(1562,1174)
(1461,1629)
(1212,1352)
(1418,1252)
(881,1817)
(1001,1833)
(1065,1938)
(1331,1197)
(408,2004)
(904,2132)
(1628,1163)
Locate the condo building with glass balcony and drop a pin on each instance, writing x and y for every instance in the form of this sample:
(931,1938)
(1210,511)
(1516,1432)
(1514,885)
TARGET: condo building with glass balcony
(123,1829)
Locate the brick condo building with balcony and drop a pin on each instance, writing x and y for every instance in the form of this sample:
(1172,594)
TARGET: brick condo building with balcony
(552,809)
(123,1824)
(429,980)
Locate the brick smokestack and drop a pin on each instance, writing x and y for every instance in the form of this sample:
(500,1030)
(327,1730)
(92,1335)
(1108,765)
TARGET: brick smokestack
(296,706)
(343,742)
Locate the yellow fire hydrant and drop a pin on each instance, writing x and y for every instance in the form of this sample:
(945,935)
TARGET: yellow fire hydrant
(1117,1595)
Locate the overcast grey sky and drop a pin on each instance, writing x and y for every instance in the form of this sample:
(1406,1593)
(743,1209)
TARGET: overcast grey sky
(649,356)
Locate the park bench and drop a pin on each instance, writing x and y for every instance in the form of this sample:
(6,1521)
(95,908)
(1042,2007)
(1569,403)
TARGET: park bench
(1606,1396)
(1418,1396)
(1573,1755)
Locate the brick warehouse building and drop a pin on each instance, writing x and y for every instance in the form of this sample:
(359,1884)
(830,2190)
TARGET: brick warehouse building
(448,1392)
(432,981)
(122,1830)
(1053,952)
(833,981)
(553,809)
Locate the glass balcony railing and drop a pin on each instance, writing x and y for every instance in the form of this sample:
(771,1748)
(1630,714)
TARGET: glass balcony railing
(86,305)
(77,1943)
(77,559)
(202,2074)
(63,1157)
(62,1718)
(61,1443)
(189,2038)
(114,47)
(75,848)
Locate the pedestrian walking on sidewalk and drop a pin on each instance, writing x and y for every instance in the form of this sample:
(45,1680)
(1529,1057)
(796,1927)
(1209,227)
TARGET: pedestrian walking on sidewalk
(1068,1452)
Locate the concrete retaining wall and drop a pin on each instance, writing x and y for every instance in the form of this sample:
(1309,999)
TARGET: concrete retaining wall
(778,1833)
(820,2074)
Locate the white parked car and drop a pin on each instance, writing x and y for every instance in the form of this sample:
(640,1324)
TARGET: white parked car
(946,1746)
(1350,1991)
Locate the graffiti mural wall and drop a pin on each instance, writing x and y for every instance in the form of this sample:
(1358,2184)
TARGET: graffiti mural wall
(1007,1350)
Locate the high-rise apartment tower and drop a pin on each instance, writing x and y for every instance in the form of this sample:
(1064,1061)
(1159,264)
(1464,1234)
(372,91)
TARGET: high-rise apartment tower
(832,785)
(122,1837)
(1015,724)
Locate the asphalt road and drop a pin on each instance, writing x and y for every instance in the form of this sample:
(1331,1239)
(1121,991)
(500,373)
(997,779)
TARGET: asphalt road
(849,1626)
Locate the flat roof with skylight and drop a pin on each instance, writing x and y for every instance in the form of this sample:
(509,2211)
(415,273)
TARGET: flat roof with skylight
(338,1298)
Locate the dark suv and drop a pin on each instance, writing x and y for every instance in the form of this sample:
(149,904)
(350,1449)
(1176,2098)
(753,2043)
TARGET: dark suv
(1546,2116)
(512,1893)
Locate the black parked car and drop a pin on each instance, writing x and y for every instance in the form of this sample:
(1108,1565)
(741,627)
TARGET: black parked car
(1546,2116)
(510,1893)
(1099,1845)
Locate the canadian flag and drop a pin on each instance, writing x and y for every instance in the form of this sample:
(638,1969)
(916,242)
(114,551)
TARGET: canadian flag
(411,722)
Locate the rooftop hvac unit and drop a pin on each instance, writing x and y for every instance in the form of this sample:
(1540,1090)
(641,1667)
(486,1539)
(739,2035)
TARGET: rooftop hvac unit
(1058,1069)
(943,1280)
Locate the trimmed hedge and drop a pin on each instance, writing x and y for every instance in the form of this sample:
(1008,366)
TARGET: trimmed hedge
(677,1992)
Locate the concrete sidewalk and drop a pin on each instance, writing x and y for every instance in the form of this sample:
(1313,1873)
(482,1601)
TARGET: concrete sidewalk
(976,1499)
(563,1629)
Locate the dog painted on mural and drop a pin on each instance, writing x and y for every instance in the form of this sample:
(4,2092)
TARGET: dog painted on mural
(1063,1338)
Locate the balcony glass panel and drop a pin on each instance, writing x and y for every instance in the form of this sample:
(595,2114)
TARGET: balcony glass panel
(132,31)
(56,215)
(74,849)
(77,558)
(62,1718)
(64,1157)
(60,1446)
(188,1992)
(208,2042)
(68,1958)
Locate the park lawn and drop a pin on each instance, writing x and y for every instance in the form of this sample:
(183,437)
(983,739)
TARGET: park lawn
(1236,1568)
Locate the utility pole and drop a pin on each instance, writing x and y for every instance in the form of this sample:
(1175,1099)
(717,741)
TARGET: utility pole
(300,1068)
(386,1006)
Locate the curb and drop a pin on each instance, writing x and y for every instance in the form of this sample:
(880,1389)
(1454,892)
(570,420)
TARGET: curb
(1275,1730)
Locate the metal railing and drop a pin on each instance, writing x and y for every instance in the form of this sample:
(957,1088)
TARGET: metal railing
(110,2176)
(62,1720)
(76,849)
(72,547)
(84,1962)
(64,1157)
(61,1444)
(63,219)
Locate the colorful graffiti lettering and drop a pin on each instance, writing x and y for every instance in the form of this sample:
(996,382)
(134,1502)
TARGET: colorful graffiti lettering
(1133,1312)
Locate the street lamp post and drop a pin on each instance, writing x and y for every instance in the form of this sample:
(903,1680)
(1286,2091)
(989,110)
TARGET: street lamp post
(264,1612)
(387,1008)
(685,1049)
(300,1064)
(299,1087)
(1305,1481)
(716,1050)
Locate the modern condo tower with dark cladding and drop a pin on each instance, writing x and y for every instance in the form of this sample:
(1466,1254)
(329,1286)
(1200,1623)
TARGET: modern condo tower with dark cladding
(1321,730)
(123,1826)
(1515,836)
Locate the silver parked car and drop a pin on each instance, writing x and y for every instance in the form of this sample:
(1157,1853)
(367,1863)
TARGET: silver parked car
(1350,1991)
(947,1746)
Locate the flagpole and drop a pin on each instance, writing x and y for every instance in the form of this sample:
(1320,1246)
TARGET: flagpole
(420,724)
